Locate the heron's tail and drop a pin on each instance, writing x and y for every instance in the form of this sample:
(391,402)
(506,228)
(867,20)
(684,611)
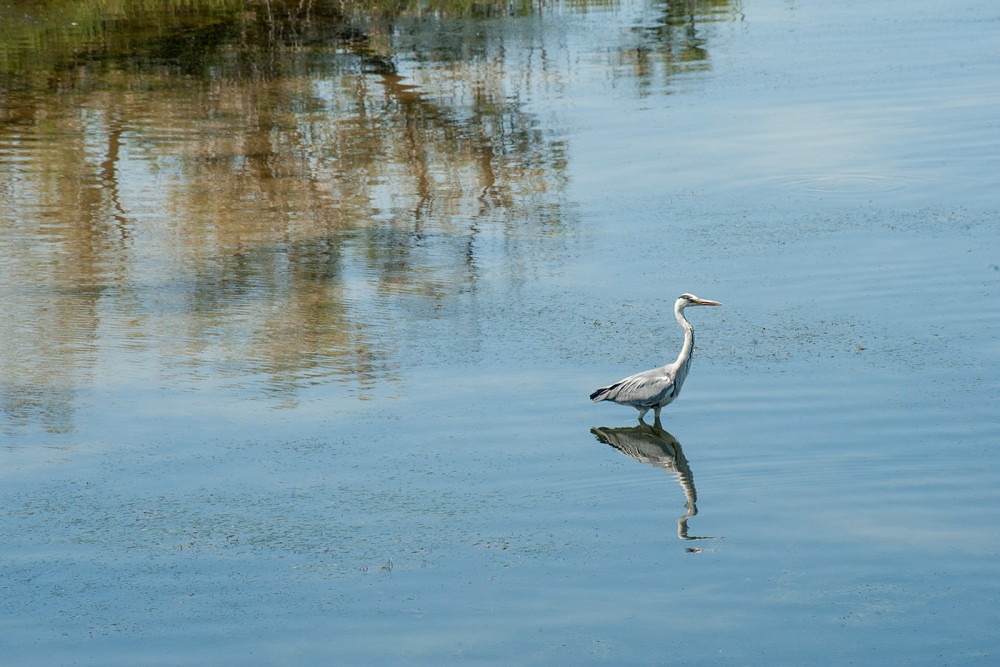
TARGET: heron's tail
(600,394)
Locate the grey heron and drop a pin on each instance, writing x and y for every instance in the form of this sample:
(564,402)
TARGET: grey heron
(657,387)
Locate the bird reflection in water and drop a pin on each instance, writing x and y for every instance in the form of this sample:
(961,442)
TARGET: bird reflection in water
(654,446)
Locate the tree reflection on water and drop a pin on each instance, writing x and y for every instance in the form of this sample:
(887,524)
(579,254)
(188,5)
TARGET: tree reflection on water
(250,188)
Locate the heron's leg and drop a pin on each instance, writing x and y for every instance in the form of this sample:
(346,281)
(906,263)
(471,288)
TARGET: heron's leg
(642,413)
(656,414)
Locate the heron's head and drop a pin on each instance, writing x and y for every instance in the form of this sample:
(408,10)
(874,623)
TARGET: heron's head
(685,300)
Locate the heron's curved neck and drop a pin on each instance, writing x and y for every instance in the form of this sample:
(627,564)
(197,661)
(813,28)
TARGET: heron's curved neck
(685,356)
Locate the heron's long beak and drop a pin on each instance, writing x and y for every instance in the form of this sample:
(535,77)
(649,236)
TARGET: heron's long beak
(706,302)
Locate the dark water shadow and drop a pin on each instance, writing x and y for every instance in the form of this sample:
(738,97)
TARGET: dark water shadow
(654,446)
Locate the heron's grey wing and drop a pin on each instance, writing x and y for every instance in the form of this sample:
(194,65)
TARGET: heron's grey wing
(647,388)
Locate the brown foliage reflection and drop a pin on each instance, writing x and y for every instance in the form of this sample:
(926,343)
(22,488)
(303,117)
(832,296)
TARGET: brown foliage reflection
(203,209)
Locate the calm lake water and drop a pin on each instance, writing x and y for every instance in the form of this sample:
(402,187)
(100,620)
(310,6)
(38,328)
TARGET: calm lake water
(301,310)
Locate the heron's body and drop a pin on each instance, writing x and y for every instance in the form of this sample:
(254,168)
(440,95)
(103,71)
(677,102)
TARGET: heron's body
(657,387)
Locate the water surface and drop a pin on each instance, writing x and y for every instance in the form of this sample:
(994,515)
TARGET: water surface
(302,308)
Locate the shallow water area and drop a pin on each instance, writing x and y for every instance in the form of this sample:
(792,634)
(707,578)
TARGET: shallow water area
(302,309)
